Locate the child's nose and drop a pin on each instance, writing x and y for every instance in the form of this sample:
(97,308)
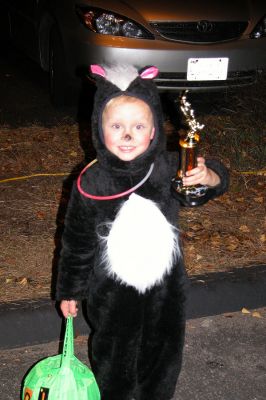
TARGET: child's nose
(127,137)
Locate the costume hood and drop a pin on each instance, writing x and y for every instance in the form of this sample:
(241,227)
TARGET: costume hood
(126,80)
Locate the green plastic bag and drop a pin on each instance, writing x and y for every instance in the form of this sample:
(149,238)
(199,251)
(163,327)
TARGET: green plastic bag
(61,377)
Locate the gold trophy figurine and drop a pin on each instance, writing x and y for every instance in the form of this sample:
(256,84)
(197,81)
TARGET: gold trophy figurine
(189,195)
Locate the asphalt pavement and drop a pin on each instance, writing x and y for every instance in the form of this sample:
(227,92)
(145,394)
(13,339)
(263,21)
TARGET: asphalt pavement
(225,348)
(38,321)
(224,359)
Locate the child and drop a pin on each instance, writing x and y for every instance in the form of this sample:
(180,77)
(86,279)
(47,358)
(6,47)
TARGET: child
(120,247)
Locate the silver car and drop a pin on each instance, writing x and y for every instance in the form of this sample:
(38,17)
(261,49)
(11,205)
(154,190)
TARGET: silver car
(197,45)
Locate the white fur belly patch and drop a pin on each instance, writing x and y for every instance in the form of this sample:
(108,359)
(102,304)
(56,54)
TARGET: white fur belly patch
(142,245)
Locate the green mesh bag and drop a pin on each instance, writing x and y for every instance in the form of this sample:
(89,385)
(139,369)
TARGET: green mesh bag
(61,377)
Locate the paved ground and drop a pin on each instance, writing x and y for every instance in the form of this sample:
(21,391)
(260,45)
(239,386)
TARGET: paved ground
(225,359)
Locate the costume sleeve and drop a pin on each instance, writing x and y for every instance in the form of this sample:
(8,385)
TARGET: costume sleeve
(78,246)
(223,173)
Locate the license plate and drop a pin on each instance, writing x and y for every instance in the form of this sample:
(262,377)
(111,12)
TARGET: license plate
(207,69)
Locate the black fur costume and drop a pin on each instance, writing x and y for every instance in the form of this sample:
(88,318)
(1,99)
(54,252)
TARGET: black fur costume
(137,337)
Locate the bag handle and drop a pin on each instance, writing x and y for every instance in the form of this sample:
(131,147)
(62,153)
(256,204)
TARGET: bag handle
(68,349)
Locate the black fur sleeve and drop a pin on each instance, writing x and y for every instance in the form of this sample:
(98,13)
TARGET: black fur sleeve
(78,244)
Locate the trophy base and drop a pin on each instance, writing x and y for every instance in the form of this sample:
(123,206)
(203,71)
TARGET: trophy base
(191,196)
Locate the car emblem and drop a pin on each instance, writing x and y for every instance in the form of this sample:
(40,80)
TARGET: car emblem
(204,26)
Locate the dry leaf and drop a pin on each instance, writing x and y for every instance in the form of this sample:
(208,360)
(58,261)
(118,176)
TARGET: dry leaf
(40,215)
(258,199)
(195,227)
(244,228)
(228,315)
(263,238)
(9,280)
(23,281)
(256,314)
(190,248)
(245,311)
(73,154)
(198,257)
(191,234)
(216,240)
(232,246)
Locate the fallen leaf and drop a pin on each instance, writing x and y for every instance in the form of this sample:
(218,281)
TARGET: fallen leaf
(216,241)
(228,315)
(244,228)
(256,314)
(263,238)
(191,247)
(40,215)
(9,280)
(258,199)
(195,227)
(73,154)
(232,246)
(245,311)
(210,266)
(191,234)
(198,257)
(23,281)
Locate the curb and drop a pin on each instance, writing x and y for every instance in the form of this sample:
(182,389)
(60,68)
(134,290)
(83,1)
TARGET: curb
(32,322)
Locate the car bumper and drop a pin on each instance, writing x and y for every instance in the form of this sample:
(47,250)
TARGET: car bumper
(246,59)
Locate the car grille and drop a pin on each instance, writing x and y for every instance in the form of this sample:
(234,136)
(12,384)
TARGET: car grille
(200,31)
(175,81)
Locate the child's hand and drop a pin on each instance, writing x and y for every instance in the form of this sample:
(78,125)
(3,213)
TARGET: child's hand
(69,308)
(201,175)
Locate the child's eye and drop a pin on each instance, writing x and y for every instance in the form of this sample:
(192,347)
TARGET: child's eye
(116,126)
(139,126)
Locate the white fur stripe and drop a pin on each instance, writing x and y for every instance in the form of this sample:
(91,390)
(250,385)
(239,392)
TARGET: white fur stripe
(142,245)
(121,75)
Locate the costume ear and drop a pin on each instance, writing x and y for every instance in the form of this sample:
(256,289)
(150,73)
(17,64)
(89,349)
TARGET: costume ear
(98,70)
(149,73)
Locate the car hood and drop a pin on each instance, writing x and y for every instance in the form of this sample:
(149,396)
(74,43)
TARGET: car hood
(168,10)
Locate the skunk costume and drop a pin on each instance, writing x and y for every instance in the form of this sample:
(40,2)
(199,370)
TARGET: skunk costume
(121,253)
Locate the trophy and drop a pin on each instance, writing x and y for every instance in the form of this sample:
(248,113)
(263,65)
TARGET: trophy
(189,195)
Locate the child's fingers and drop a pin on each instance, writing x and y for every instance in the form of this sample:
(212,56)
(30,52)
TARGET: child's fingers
(73,308)
(201,175)
(192,180)
(196,175)
(199,168)
(200,160)
(64,308)
(69,308)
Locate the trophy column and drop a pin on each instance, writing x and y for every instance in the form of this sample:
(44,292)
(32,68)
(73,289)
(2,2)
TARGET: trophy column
(188,148)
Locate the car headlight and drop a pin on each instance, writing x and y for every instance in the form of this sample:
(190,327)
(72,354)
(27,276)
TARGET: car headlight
(109,23)
(259,30)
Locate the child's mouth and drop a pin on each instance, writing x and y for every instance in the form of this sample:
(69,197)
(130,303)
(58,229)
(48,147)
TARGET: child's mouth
(126,149)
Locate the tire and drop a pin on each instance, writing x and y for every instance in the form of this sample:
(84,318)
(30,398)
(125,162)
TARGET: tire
(58,76)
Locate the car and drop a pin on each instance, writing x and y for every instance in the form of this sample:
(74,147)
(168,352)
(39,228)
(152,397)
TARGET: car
(197,45)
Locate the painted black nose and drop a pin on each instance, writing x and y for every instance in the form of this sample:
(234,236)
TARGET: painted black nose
(127,138)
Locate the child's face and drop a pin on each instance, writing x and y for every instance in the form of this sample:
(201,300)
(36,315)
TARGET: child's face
(128,127)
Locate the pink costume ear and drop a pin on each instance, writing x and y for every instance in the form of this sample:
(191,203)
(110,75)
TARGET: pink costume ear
(149,73)
(97,70)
